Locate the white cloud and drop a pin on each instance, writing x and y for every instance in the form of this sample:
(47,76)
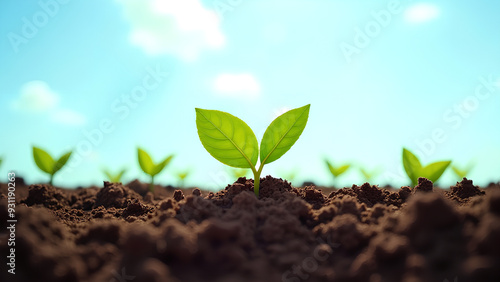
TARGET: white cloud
(421,12)
(236,86)
(36,96)
(68,117)
(181,28)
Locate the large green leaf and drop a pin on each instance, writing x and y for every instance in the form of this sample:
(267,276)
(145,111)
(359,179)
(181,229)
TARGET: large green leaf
(282,133)
(412,165)
(61,162)
(145,161)
(227,138)
(159,167)
(435,170)
(43,160)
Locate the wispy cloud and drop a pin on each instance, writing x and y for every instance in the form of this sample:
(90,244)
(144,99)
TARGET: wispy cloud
(242,85)
(421,12)
(180,28)
(38,98)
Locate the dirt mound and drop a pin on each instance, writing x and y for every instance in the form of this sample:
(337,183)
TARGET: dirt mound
(362,233)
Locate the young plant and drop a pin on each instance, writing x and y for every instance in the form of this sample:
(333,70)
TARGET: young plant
(1,160)
(414,168)
(369,175)
(232,142)
(337,171)
(47,164)
(461,173)
(182,175)
(115,178)
(149,167)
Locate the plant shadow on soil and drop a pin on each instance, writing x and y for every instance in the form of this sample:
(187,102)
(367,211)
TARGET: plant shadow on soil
(362,233)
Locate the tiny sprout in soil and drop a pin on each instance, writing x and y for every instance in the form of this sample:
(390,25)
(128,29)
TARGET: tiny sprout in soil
(414,168)
(47,164)
(115,178)
(149,167)
(182,175)
(336,171)
(461,173)
(232,142)
(369,175)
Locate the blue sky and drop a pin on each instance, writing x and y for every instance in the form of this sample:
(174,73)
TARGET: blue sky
(104,77)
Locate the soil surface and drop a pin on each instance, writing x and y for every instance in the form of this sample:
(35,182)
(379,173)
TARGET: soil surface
(363,233)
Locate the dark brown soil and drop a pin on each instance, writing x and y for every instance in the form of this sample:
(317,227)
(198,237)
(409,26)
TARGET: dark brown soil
(363,233)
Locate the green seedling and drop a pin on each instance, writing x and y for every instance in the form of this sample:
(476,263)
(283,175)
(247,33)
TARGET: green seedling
(47,164)
(115,178)
(1,160)
(182,175)
(232,142)
(461,173)
(149,167)
(337,171)
(369,175)
(414,168)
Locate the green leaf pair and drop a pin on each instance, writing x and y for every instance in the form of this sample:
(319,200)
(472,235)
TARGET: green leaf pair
(232,142)
(182,175)
(149,167)
(414,168)
(462,173)
(337,171)
(47,164)
(115,178)
(369,175)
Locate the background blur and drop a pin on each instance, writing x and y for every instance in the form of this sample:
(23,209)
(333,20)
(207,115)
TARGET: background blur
(103,77)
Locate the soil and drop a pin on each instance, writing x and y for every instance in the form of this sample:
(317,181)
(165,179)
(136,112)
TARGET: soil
(363,233)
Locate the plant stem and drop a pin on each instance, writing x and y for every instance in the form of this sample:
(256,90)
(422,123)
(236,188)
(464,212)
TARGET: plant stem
(152,185)
(256,179)
(51,178)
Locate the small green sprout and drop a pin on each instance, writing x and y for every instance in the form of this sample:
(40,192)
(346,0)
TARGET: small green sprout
(461,173)
(369,175)
(115,178)
(47,164)
(232,142)
(182,175)
(414,168)
(1,160)
(337,171)
(149,167)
